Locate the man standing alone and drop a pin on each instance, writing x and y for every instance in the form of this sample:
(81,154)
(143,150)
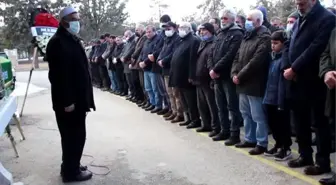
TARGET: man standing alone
(71,92)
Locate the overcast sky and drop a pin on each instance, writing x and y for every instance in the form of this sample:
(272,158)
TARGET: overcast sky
(139,10)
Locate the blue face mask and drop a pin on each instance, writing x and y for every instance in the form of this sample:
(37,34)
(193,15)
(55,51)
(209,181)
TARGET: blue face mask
(205,38)
(74,27)
(249,25)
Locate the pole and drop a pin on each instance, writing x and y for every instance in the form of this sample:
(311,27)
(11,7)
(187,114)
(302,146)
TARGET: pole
(29,79)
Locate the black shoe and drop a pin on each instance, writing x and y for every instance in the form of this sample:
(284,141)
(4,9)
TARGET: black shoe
(186,123)
(105,89)
(82,176)
(177,119)
(258,150)
(171,118)
(146,105)
(143,104)
(163,112)
(204,129)
(232,141)
(194,125)
(300,162)
(168,114)
(129,97)
(316,170)
(221,137)
(123,94)
(81,168)
(283,155)
(156,110)
(150,108)
(271,152)
(328,181)
(213,133)
(245,144)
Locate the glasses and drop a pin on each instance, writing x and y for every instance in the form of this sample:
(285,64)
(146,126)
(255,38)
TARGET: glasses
(290,22)
(224,18)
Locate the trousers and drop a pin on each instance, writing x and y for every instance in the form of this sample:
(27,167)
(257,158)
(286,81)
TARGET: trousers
(73,134)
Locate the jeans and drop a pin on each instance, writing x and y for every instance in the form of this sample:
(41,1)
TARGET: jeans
(228,103)
(255,120)
(113,78)
(163,91)
(152,90)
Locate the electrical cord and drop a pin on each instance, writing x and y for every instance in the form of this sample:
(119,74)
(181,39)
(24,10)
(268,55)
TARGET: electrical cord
(108,170)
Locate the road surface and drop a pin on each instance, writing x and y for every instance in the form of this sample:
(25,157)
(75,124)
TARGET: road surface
(137,148)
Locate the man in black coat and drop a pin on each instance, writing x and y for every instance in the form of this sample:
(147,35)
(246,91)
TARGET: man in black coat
(118,66)
(71,92)
(182,73)
(101,61)
(306,90)
(224,51)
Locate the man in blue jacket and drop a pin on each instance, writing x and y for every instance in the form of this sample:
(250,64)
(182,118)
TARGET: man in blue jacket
(306,90)
(148,56)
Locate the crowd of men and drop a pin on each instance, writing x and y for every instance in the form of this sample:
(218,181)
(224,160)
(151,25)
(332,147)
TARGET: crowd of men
(234,71)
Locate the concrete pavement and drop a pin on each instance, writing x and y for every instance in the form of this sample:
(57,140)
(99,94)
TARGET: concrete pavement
(139,149)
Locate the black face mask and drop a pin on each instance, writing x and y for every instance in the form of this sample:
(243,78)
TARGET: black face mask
(137,34)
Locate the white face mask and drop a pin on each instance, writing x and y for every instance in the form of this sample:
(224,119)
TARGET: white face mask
(289,27)
(74,27)
(169,33)
(182,33)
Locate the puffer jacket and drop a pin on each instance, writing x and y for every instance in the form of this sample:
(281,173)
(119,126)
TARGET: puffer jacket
(224,50)
(252,61)
(170,43)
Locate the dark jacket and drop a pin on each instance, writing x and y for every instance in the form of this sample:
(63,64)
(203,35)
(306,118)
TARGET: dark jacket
(170,43)
(92,52)
(328,63)
(151,46)
(274,94)
(116,55)
(183,62)
(127,52)
(270,26)
(138,48)
(202,68)
(252,61)
(69,72)
(309,38)
(224,50)
(100,51)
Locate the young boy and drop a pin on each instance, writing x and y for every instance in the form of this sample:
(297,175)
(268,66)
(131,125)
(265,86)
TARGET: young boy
(278,114)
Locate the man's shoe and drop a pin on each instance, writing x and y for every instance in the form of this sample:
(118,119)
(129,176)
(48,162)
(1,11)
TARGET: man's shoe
(283,155)
(82,176)
(163,112)
(168,114)
(178,119)
(328,181)
(170,118)
(142,103)
(213,133)
(123,94)
(81,168)
(150,108)
(258,150)
(271,152)
(221,137)
(156,110)
(194,125)
(186,123)
(316,170)
(105,89)
(300,162)
(204,129)
(233,140)
(245,144)
(146,105)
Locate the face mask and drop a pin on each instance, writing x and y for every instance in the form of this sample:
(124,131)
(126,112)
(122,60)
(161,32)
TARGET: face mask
(169,33)
(249,25)
(74,27)
(289,27)
(182,33)
(205,38)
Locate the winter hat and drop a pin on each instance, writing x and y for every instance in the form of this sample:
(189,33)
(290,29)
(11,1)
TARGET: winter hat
(194,27)
(294,14)
(209,27)
(66,11)
(263,10)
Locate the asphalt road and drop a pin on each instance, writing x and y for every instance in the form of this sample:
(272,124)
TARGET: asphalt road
(138,148)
